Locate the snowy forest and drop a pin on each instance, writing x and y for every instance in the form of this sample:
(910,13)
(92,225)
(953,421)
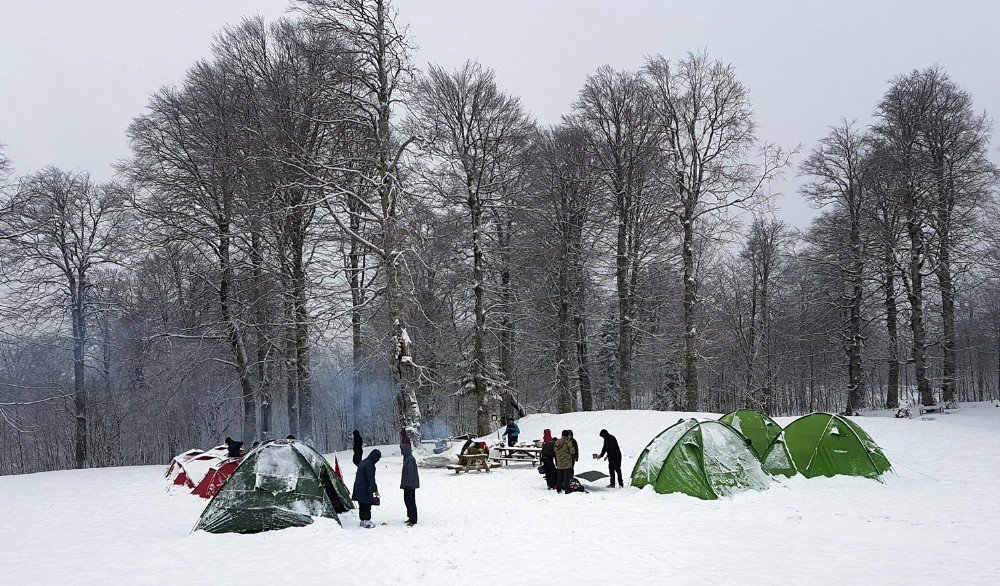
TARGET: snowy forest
(314,234)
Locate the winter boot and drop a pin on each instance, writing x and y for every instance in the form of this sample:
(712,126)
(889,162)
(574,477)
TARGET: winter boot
(368,524)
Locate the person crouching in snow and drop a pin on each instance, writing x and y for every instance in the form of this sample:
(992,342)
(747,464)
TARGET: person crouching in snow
(409,482)
(564,461)
(365,489)
(549,458)
(613,453)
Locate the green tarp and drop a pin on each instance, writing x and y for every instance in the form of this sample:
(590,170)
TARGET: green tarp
(705,459)
(281,483)
(755,426)
(824,444)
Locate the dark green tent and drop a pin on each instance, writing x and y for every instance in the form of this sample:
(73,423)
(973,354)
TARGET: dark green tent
(706,459)
(824,444)
(755,426)
(281,483)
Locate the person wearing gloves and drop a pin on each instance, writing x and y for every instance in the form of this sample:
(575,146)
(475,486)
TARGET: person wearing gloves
(409,482)
(365,488)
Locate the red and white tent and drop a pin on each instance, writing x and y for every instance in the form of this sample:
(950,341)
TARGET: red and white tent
(175,472)
(216,476)
(191,470)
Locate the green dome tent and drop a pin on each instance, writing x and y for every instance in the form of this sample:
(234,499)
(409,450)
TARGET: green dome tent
(755,426)
(281,483)
(823,444)
(705,459)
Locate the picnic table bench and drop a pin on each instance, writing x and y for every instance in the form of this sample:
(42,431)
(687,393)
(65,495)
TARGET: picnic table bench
(468,462)
(939,408)
(508,454)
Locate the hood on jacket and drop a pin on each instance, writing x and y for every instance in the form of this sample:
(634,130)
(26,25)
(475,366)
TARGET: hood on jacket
(604,433)
(375,456)
(406,450)
(547,435)
(357,433)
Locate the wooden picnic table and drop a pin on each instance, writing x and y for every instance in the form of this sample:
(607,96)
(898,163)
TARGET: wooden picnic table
(510,454)
(471,462)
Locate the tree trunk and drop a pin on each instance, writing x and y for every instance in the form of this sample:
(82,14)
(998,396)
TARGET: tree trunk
(354,260)
(625,301)
(235,337)
(690,329)
(301,314)
(946,284)
(856,383)
(479,375)
(79,383)
(579,314)
(265,347)
(915,295)
(891,317)
(291,371)
(565,402)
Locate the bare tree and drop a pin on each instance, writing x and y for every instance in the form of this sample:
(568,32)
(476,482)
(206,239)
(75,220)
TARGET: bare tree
(837,170)
(60,229)
(615,108)
(707,132)
(568,183)
(474,137)
(380,72)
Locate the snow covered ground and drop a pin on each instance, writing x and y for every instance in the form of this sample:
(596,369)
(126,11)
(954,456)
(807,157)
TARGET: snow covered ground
(936,520)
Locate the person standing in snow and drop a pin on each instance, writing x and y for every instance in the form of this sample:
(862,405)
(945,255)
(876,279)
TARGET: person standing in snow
(409,482)
(549,458)
(358,445)
(613,454)
(565,453)
(512,432)
(365,488)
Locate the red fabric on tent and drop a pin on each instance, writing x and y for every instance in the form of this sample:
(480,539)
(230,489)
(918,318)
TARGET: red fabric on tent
(336,469)
(182,479)
(216,477)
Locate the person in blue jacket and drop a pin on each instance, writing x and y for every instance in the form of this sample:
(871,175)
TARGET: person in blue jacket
(365,488)
(512,432)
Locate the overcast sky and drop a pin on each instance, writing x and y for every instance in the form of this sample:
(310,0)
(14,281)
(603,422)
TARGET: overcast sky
(74,73)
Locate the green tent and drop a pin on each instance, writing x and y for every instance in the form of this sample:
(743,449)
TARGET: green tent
(755,426)
(281,483)
(824,444)
(706,459)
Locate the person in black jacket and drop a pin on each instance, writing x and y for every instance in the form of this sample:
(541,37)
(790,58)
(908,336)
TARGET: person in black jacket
(357,447)
(613,454)
(365,488)
(234,448)
(409,482)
